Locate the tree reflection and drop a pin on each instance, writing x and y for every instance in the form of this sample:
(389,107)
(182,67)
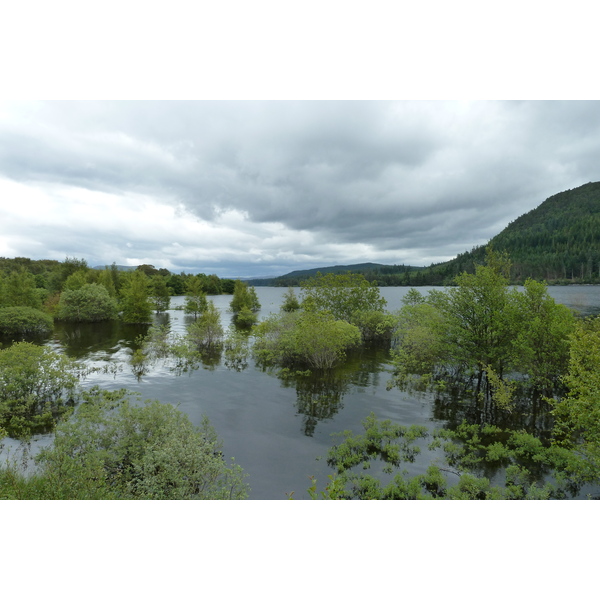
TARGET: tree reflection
(529,411)
(318,395)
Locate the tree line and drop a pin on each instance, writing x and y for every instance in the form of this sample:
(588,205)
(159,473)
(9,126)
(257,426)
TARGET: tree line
(33,293)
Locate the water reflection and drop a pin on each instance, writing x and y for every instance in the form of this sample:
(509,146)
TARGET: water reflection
(318,396)
(79,340)
(457,403)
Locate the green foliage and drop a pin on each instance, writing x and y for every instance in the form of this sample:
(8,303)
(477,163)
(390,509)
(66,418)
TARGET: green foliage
(19,289)
(524,467)
(89,303)
(477,328)
(382,441)
(195,297)
(290,301)
(558,241)
(23,321)
(245,318)
(343,295)
(237,351)
(160,296)
(305,339)
(135,302)
(577,413)
(107,279)
(207,332)
(375,325)
(244,296)
(176,284)
(483,328)
(541,335)
(113,448)
(75,281)
(37,386)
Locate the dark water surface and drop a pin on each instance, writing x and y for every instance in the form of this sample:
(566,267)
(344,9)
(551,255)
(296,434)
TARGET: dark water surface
(278,431)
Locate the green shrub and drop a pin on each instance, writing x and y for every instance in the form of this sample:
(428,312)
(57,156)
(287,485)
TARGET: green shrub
(114,448)
(22,320)
(89,303)
(304,338)
(37,386)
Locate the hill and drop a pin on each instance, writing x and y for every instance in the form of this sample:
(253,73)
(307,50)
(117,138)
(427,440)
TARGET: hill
(382,274)
(559,242)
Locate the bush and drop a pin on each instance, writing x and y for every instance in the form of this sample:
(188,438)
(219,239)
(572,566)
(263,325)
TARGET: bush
(90,303)
(114,448)
(22,320)
(207,332)
(310,339)
(37,386)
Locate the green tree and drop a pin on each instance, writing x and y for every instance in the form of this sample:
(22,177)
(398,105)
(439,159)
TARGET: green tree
(206,333)
(106,279)
(195,297)
(37,386)
(75,281)
(308,339)
(244,296)
(176,283)
(213,285)
(482,329)
(160,296)
(115,448)
(478,329)
(342,295)
(90,303)
(135,302)
(577,413)
(541,335)
(20,290)
(290,301)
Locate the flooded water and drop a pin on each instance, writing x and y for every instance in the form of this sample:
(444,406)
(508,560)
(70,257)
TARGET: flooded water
(278,431)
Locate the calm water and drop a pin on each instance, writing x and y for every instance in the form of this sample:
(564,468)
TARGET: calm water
(279,432)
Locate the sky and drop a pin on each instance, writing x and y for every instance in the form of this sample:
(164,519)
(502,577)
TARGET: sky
(262,188)
(254,139)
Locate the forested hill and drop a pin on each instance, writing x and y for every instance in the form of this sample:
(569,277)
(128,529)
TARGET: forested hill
(382,274)
(559,241)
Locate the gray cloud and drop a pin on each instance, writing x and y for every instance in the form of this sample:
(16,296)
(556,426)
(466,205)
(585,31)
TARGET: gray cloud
(282,185)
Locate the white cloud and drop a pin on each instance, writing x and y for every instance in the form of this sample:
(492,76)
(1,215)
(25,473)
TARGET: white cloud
(248,186)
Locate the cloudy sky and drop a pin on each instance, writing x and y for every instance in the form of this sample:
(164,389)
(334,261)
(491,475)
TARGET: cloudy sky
(252,188)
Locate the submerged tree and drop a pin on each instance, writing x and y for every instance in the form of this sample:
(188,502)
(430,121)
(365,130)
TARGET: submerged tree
(160,296)
(195,297)
(90,303)
(17,321)
(37,387)
(244,297)
(207,332)
(290,301)
(114,448)
(135,301)
(481,331)
(309,339)
(350,297)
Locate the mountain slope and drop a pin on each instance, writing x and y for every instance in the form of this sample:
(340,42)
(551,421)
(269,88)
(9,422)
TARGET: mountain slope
(559,241)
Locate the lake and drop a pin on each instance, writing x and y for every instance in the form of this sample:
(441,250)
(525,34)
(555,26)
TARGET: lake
(278,431)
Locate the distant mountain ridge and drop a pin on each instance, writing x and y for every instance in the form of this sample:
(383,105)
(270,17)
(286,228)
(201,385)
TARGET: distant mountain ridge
(382,274)
(559,242)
